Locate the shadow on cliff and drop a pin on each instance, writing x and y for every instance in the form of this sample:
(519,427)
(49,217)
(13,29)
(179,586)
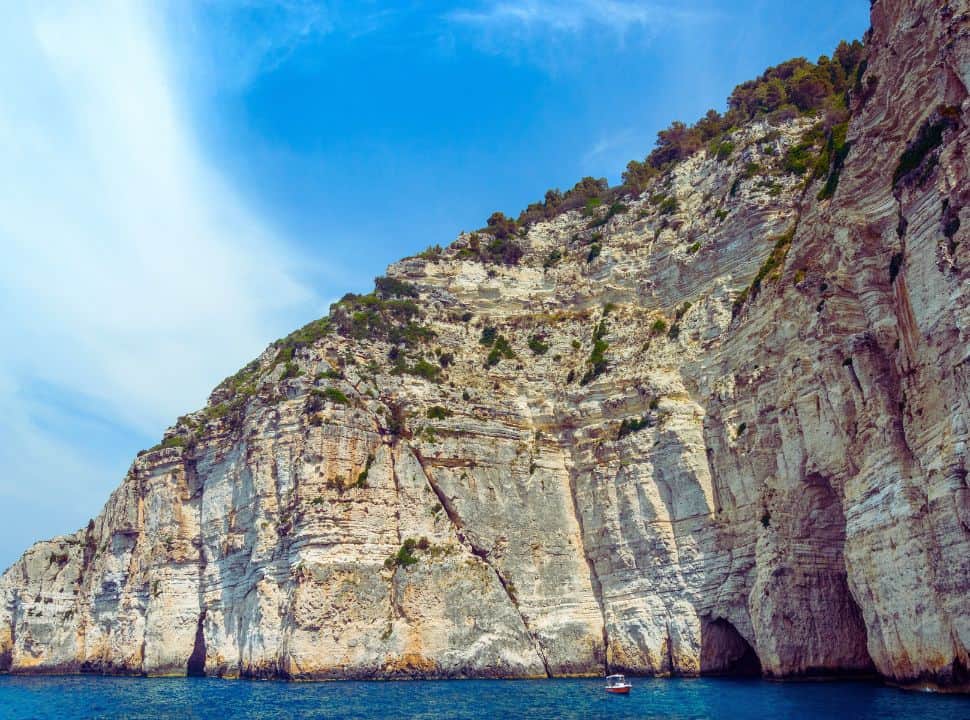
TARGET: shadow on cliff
(725,652)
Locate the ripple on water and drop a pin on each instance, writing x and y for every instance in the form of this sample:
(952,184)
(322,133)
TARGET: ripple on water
(23,698)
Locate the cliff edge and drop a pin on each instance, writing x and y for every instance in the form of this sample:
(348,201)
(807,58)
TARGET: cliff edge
(717,424)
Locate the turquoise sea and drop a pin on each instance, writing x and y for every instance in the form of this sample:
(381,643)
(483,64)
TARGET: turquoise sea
(65,698)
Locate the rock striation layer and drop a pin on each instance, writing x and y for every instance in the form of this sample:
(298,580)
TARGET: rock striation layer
(732,438)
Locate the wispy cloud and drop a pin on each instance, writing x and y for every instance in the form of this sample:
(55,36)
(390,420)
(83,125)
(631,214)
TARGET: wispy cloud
(526,19)
(604,150)
(133,277)
(235,41)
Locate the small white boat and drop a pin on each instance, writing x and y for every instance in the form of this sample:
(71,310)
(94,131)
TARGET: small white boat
(617,684)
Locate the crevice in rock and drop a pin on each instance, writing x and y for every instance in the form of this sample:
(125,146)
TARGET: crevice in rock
(482,554)
(397,491)
(595,583)
(196,664)
(670,651)
(396,611)
(725,652)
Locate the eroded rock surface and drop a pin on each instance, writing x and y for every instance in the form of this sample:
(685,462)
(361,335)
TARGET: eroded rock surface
(776,485)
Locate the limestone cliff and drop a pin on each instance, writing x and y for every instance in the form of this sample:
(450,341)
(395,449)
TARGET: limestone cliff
(720,426)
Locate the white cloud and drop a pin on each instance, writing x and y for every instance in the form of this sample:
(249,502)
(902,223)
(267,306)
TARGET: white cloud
(609,147)
(131,274)
(235,41)
(556,35)
(528,18)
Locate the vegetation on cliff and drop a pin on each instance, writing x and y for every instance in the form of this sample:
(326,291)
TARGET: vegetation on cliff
(795,88)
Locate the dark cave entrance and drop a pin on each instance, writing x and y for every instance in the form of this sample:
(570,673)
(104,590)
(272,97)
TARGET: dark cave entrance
(725,652)
(196,664)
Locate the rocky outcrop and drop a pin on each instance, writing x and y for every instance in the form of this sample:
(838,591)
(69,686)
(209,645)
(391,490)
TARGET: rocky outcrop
(633,458)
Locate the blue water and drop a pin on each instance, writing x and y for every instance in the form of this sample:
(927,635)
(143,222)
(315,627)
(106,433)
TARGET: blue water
(677,699)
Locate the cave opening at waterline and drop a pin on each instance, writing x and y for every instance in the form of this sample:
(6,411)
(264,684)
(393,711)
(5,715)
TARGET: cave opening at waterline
(196,664)
(725,652)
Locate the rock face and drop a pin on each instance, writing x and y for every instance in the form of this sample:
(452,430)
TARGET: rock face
(602,461)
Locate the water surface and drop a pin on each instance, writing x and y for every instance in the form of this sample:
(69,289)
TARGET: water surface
(673,699)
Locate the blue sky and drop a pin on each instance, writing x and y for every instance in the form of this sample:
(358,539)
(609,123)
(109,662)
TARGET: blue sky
(186,181)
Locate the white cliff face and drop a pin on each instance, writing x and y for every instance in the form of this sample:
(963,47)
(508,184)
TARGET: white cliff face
(775,485)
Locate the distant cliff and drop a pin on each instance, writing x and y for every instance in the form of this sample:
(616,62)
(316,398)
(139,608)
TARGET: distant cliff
(713,422)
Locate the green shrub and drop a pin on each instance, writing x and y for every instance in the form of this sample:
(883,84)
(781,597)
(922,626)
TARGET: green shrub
(721,214)
(501,349)
(836,151)
(488,336)
(537,212)
(305,336)
(782,92)
(423,369)
(502,248)
(362,476)
(669,206)
(693,248)
(591,205)
(928,138)
(774,263)
(658,327)
(638,175)
(552,259)
(436,412)
(432,252)
(404,556)
(721,150)
(594,252)
(615,209)
(392,287)
(371,317)
(537,346)
(632,425)
(500,226)
(798,158)
(215,412)
(420,368)
(334,395)
(173,441)
(290,370)
(597,357)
